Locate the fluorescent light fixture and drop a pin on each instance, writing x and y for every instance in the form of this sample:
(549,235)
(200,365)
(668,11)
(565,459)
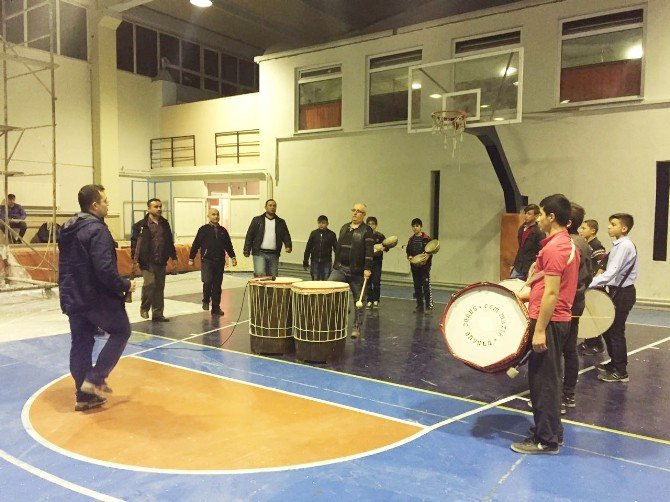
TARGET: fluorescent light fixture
(565,101)
(201,3)
(434,96)
(416,85)
(484,106)
(515,83)
(498,119)
(506,72)
(634,52)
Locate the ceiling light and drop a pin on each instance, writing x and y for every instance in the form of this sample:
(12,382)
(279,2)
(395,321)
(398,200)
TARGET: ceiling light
(484,106)
(498,118)
(506,72)
(515,83)
(416,85)
(201,3)
(565,101)
(434,96)
(634,52)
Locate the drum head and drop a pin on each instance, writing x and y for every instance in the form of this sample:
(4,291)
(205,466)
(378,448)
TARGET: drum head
(598,314)
(390,242)
(278,282)
(486,327)
(419,259)
(516,285)
(433,246)
(305,287)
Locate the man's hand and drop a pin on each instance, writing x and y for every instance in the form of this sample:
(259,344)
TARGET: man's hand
(234,262)
(367,274)
(190,262)
(539,340)
(246,254)
(132,287)
(288,250)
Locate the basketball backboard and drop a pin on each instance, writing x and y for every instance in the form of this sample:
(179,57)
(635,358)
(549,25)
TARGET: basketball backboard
(486,86)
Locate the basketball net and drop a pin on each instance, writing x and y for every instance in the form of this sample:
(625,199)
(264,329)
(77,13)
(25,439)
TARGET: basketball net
(451,124)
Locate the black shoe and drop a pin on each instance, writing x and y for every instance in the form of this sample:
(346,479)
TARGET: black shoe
(568,402)
(144,314)
(613,376)
(530,447)
(604,367)
(217,312)
(593,351)
(95,390)
(205,305)
(89,404)
(160,318)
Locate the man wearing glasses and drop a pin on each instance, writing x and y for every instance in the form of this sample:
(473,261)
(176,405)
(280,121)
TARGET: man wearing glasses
(353,258)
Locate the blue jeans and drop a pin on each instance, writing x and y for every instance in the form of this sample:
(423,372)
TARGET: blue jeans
(320,271)
(355,285)
(83,326)
(266,264)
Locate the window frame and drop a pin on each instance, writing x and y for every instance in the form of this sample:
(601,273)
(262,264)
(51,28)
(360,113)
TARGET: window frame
(368,71)
(600,31)
(317,78)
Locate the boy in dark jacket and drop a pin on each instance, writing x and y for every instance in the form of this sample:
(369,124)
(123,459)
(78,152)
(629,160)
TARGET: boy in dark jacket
(529,237)
(320,248)
(420,273)
(213,241)
(373,293)
(92,296)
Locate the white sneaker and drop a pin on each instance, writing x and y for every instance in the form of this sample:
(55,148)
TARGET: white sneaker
(376,304)
(369,305)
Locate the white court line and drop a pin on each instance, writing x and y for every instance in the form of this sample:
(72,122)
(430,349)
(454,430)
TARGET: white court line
(55,479)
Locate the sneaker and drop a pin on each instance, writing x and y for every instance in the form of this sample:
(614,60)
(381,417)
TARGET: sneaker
(369,306)
(144,314)
(355,333)
(205,305)
(593,351)
(604,367)
(568,401)
(375,304)
(530,447)
(160,318)
(218,312)
(89,404)
(613,376)
(96,390)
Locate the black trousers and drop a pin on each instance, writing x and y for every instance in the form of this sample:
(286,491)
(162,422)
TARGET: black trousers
(374,283)
(544,380)
(422,291)
(615,336)
(211,274)
(570,357)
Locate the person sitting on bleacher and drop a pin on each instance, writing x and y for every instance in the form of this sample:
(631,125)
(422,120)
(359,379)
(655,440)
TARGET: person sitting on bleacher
(17,216)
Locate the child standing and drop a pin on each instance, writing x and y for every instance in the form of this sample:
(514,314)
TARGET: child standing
(374,291)
(420,273)
(320,247)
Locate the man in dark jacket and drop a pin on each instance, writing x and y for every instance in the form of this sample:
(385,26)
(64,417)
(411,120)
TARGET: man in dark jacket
(213,241)
(264,240)
(156,246)
(529,238)
(92,296)
(320,248)
(353,258)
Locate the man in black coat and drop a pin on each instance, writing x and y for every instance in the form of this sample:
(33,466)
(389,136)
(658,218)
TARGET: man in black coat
(529,237)
(214,242)
(264,240)
(156,246)
(353,258)
(92,296)
(320,247)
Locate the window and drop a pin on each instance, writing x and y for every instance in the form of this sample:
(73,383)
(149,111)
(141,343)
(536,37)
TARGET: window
(229,68)
(73,39)
(320,98)
(387,92)
(124,47)
(146,51)
(211,62)
(487,42)
(601,57)
(38,28)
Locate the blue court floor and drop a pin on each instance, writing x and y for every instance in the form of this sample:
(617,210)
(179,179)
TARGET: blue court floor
(461,451)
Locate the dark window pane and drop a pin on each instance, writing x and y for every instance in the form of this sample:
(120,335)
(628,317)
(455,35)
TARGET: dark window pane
(124,47)
(73,31)
(228,68)
(170,49)
(247,72)
(10,7)
(15,30)
(146,51)
(212,85)
(606,21)
(38,26)
(175,74)
(228,90)
(190,79)
(211,63)
(190,56)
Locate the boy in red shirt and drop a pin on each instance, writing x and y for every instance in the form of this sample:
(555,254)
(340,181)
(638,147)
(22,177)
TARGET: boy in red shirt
(553,287)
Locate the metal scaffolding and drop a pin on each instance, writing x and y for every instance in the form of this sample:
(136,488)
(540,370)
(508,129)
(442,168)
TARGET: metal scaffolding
(16,67)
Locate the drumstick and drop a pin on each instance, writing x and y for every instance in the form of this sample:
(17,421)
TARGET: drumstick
(359,303)
(513,372)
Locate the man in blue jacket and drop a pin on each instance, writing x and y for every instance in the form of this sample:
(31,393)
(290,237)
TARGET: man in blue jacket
(92,296)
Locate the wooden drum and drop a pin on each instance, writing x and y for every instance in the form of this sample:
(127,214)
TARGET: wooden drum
(270,322)
(320,315)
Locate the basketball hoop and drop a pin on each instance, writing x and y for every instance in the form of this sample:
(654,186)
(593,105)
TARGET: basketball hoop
(451,124)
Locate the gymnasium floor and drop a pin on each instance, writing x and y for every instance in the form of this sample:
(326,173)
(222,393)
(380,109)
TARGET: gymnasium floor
(396,419)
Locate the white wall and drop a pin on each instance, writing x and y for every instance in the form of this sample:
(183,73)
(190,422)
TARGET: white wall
(603,157)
